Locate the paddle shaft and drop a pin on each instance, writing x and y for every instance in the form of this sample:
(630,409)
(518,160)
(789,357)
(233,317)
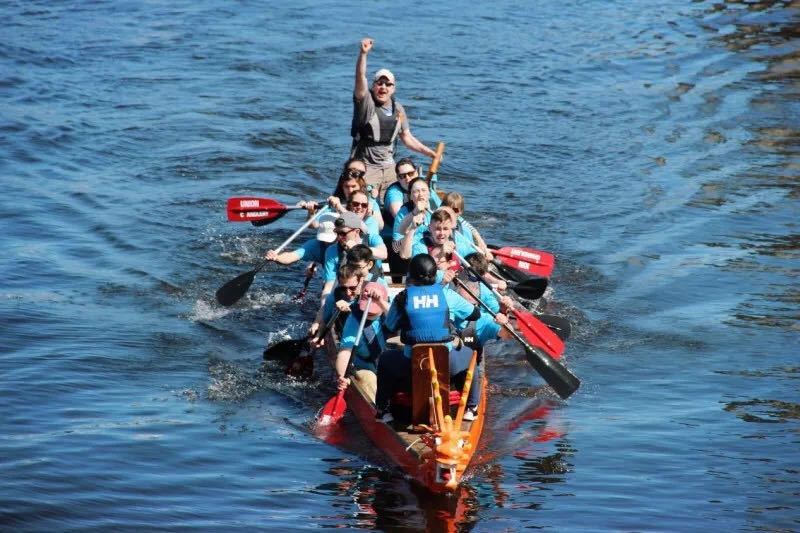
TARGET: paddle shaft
(292,237)
(554,373)
(497,295)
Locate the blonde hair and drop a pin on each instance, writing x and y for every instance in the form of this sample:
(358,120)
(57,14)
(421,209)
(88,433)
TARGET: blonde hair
(455,201)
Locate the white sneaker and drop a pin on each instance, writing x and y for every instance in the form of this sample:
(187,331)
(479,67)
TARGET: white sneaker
(470,414)
(386,417)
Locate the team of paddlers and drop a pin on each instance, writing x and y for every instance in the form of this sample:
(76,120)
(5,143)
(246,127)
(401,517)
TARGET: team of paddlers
(383,211)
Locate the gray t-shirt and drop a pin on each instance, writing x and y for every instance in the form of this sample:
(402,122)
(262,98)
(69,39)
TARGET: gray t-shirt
(381,155)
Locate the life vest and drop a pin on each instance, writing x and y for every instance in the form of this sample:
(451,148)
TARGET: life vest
(427,317)
(455,266)
(368,337)
(380,129)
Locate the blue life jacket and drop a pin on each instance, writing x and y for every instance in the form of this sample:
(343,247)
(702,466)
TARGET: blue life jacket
(427,315)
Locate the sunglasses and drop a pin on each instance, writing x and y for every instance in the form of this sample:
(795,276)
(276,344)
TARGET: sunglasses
(406,175)
(352,173)
(384,83)
(362,205)
(345,232)
(350,288)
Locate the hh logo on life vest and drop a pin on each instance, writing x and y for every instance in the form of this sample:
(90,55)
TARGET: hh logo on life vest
(425,302)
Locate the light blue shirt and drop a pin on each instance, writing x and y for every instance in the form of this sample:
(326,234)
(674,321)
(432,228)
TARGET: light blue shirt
(363,358)
(331,263)
(311,250)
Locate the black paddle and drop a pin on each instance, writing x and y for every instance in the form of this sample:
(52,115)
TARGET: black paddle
(286,351)
(232,292)
(560,326)
(554,373)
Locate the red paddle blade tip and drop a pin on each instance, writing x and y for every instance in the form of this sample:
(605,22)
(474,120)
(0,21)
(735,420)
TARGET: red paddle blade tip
(333,411)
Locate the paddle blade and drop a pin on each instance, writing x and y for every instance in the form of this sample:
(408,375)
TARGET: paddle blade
(524,265)
(539,335)
(260,211)
(554,373)
(333,411)
(284,351)
(509,274)
(560,326)
(232,292)
(531,288)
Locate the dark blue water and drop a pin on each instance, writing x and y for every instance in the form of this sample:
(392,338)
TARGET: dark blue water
(653,146)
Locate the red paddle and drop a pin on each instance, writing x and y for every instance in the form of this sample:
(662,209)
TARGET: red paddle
(252,209)
(535,262)
(335,407)
(538,334)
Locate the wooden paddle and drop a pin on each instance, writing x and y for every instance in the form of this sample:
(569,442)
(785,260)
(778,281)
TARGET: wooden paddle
(232,291)
(554,373)
(334,409)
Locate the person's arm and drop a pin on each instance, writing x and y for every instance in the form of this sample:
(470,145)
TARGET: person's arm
(361,89)
(407,244)
(377,246)
(342,358)
(284,258)
(375,213)
(412,143)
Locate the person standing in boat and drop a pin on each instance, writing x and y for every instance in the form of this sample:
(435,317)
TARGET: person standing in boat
(378,121)
(423,313)
(372,343)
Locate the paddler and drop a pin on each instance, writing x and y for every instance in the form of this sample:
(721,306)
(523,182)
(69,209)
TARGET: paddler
(455,201)
(349,279)
(423,313)
(396,196)
(351,180)
(378,121)
(437,239)
(419,203)
(350,231)
(476,333)
(372,343)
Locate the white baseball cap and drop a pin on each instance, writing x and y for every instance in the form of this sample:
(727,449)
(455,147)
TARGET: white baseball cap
(326,232)
(383,73)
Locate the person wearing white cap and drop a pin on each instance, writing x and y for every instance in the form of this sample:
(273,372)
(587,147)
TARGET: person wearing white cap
(378,120)
(313,249)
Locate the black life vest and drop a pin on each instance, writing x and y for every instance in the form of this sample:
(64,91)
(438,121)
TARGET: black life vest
(380,129)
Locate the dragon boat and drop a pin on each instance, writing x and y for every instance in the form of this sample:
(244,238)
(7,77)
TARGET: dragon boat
(429,439)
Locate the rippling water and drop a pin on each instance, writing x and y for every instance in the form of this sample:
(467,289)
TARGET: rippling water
(654,146)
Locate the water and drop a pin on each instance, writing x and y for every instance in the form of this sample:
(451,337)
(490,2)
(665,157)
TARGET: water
(654,147)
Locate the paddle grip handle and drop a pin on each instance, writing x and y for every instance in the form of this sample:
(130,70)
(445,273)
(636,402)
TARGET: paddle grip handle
(437,160)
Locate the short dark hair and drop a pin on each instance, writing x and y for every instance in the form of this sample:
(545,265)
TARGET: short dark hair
(359,252)
(347,270)
(404,161)
(478,262)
